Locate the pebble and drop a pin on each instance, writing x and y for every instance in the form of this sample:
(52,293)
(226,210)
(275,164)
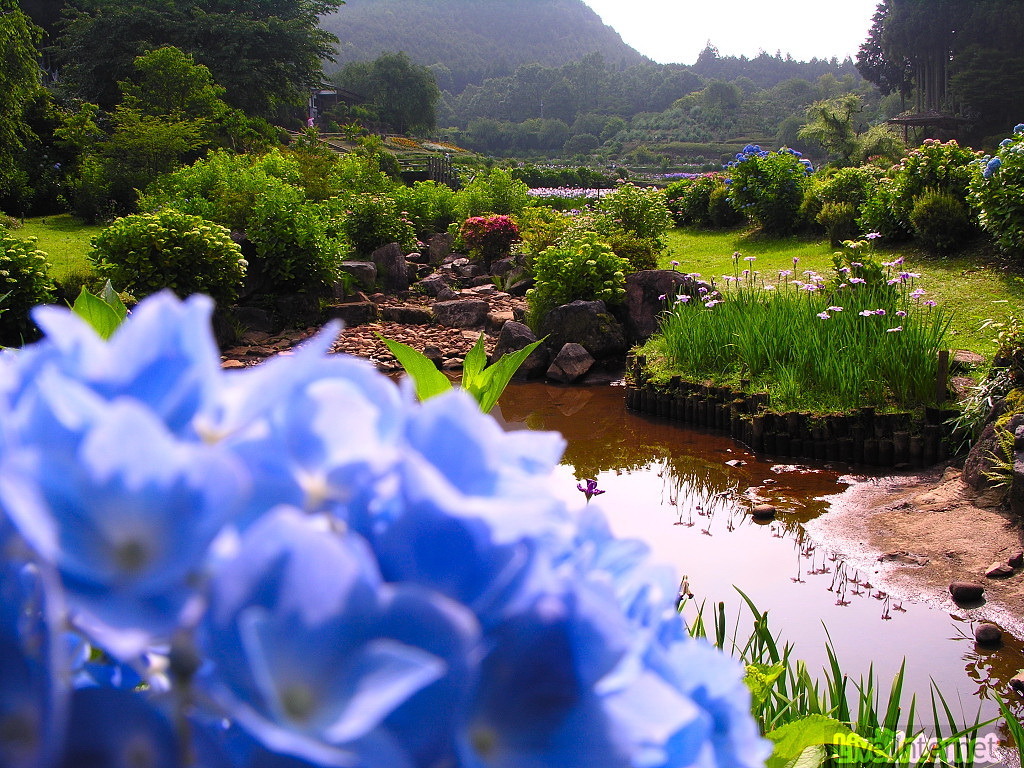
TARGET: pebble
(987,634)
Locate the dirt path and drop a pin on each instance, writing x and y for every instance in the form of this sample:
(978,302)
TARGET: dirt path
(920,532)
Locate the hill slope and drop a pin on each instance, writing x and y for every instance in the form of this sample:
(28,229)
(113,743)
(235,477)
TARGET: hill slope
(465,41)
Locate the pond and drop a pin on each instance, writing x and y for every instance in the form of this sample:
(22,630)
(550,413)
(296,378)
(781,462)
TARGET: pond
(687,492)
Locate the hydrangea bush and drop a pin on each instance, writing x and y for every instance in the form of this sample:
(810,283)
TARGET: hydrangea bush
(298,565)
(998,193)
(769,187)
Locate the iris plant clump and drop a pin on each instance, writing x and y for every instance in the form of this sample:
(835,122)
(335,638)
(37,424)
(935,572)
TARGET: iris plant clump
(297,564)
(865,335)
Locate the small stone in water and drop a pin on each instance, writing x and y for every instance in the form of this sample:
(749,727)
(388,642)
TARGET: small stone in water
(1017,682)
(966,591)
(763,511)
(987,634)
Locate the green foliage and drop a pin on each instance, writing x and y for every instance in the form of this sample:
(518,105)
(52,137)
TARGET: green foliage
(485,384)
(541,227)
(839,221)
(862,338)
(831,125)
(769,190)
(639,252)
(104,313)
(934,166)
(146,253)
(941,222)
(844,185)
(722,214)
(372,220)
(689,200)
(293,239)
(266,55)
(495,192)
(24,283)
(998,193)
(431,207)
(401,94)
(19,85)
(639,210)
(586,269)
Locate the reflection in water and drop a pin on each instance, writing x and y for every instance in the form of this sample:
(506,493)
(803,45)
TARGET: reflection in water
(688,495)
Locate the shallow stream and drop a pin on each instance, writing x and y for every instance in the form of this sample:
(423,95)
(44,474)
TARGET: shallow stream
(687,492)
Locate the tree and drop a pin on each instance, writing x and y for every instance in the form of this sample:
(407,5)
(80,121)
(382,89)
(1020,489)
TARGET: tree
(266,55)
(19,85)
(831,126)
(402,94)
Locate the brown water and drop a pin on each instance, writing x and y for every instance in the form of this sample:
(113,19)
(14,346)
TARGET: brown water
(687,492)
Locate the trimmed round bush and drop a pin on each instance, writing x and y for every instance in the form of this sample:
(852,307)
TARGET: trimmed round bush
(24,283)
(373,220)
(722,214)
(147,252)
(941,221)
(839,220)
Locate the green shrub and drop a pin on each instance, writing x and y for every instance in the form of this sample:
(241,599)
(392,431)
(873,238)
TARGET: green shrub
(372,220)
(292,237)
(839,221)
(941,221)
(640,210)
(147,252)
(24,283)
(722,214)
(639,252)
(998,193)
(431,207)
(769,188)
(844,185)
(540,228)
(689,200)
(496,192)
(586,269)
(942,167)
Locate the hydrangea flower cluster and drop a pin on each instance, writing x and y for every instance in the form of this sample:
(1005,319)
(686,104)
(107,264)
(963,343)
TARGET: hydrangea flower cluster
(298,565)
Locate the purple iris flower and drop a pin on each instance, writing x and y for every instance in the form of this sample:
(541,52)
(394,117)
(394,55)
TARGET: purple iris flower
(590,489)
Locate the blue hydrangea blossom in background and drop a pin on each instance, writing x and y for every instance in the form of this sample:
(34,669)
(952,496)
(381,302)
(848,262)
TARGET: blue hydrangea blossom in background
(298,564)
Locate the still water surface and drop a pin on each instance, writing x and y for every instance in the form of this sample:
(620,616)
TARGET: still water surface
(686,492)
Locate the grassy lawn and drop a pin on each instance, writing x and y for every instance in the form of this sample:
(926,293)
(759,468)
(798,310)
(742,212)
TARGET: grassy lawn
(64,239)
(975,285)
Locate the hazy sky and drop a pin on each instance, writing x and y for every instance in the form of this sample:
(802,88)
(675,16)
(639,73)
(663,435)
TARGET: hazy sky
(677,30)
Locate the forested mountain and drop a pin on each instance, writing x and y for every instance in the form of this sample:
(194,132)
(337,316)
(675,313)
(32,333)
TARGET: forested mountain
(466,41)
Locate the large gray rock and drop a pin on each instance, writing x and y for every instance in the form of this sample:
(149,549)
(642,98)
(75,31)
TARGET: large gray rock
(571,363)
(363,272)
(392,268)
(440,245)
(461,313)
(646,294)
(1017,485)
(587,323)
(434,284)
(515,336)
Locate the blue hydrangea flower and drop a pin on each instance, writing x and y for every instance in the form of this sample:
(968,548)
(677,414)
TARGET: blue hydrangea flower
(33,667)
(319,658)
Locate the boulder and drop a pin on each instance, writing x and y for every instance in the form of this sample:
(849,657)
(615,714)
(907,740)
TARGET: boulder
(438,247)
(645,299)
(354,313)
(587,323)
(571,363)
(520,287)
(433,284)
(966,591)
(987,634)
(465,269)
(392,268)
(407,314)
(1016,498)
(461,313)
(255,319)
(978,461)
(513,337)
(363,272)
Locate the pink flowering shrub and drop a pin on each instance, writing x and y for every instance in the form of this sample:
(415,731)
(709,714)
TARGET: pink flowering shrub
(489,237)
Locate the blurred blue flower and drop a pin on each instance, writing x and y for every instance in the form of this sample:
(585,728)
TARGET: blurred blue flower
(318,658)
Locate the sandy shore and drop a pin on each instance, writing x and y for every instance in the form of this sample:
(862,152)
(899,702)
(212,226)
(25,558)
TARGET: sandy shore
(920,532)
